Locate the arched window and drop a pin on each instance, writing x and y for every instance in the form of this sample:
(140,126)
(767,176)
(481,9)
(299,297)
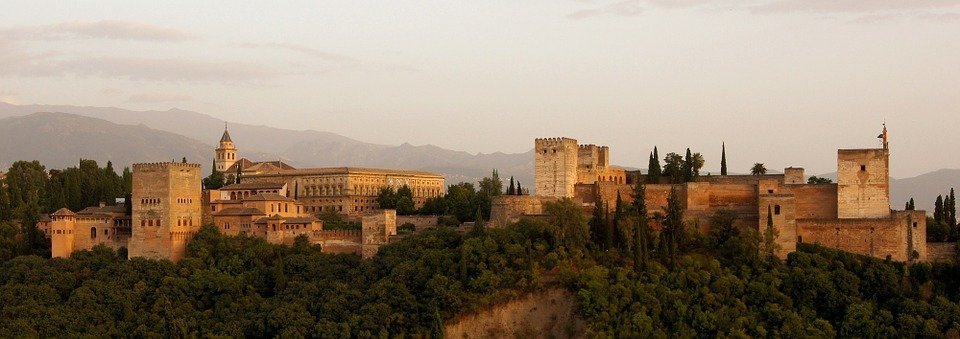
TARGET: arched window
(776,209)
(93,233)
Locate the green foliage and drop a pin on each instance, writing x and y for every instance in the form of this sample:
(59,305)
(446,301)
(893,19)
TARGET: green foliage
(653,167)
(673,167)
(333,220)
(244,287)
(813,179)
(758,169)
(723,159)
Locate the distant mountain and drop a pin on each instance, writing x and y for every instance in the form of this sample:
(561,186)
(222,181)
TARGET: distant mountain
(302,148)
(60,140)
(923,188)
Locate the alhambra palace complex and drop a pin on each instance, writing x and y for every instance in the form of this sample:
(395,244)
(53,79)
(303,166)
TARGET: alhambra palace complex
(278,202)
(852,215)
(274,201)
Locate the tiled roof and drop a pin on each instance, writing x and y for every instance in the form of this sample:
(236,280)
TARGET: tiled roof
(239,211)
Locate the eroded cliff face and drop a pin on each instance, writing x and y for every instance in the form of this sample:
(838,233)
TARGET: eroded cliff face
(547,314)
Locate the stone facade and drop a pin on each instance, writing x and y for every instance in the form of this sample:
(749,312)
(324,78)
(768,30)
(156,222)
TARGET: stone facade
(165,209)
(351,191)
(560,164)
(852,215)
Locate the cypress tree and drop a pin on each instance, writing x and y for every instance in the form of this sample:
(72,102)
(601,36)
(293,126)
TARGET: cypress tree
(673,227)
(614,228)
(952,209)
(938,209)
(913,205)
(640,231)
(687,166)
(478,226)
(239,173)
(511,190)
(723,159)
(519,188)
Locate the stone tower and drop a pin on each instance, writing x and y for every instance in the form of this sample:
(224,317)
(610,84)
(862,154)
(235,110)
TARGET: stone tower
(863,182)
(62,224)
(166,210)
(226,152)
(555,166)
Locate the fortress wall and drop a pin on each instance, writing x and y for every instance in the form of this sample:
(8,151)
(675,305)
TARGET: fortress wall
(507,209)
(338,241)
(739,179)
(874,237)
(781,209)
(817,201)
(420,222)
(941,251)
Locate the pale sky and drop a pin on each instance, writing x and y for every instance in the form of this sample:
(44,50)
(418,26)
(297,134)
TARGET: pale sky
(783,82)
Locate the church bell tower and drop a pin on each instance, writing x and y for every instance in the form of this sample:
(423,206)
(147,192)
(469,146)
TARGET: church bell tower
(226,152)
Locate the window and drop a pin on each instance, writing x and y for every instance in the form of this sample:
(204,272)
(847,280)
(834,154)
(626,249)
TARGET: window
(776,209)
(863,168)
(799,239)
(93,233)
(914,224)
(770,191)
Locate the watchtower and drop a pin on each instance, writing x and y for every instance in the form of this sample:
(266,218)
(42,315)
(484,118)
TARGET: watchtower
(62,225)
(555,166)
(863,181)
(166,209)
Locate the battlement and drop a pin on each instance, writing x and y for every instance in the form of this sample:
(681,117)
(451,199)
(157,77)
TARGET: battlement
(546,142)
(337,233)
(164,165)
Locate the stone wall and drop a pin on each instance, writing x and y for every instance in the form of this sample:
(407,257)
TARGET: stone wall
(863,183)
(941,251)
(508,209)
(338,241)
(896,236)
(420,222)
(817,201)
(377,227)
(781,209)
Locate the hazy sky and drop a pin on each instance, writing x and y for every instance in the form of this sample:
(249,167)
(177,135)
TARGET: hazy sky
(784,82)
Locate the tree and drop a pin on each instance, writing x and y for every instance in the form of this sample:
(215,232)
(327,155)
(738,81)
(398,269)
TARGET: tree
(461,201)
(673,167)
(938,209)
(184,160)
(490,187)
(598,225)
(723,158)
(653,168)
(387,198)
(405,205)
(758,169)
(512,190)
(478,226)
(519,188)
(952,209)
(687,168)
(909,206)
(696,164)
(641,232)
(673,227)
(615,232)
(24,180)
(818,180)
(215,180)
(567,225)
(770,246)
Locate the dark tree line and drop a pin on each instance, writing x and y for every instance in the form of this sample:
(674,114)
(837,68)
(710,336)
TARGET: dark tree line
(943,225)
(676,168)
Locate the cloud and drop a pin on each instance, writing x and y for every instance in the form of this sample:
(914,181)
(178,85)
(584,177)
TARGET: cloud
(174,70)
(940,17)
(153,98)
(308,51)
(622,8)
(847,6)
(104,29)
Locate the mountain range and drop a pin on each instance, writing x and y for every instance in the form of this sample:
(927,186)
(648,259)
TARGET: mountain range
(125,136)
(59,136)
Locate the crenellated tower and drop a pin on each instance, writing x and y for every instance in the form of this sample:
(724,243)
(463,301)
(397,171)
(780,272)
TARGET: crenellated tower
(166,210)
(226,153)
(555,166)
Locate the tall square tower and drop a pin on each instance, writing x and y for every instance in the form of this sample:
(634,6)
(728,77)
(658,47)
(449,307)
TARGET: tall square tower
(166,209)
(555,166)
(863,183)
